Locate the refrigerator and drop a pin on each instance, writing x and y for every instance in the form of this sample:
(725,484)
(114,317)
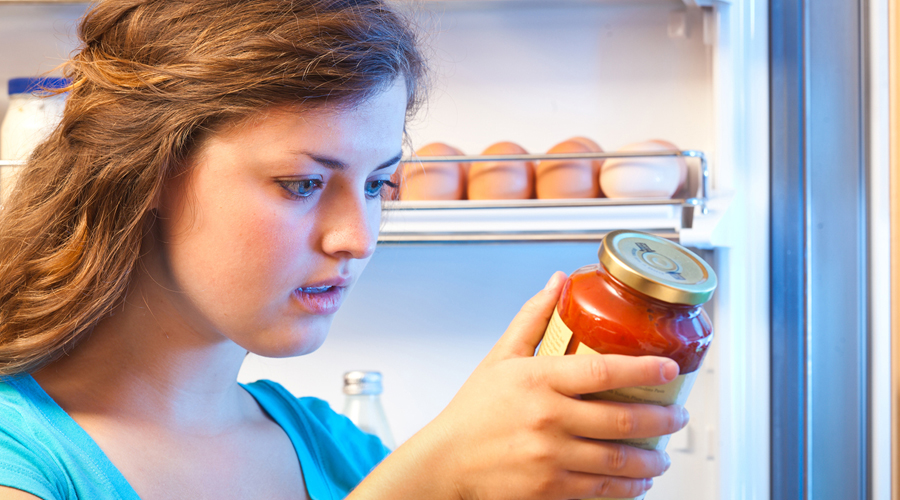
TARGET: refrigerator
(736,83)
(445,282)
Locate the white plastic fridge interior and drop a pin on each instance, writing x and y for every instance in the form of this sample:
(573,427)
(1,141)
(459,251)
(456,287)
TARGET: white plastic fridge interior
(537,73)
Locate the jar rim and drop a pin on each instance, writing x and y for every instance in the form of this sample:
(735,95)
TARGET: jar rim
(657,267)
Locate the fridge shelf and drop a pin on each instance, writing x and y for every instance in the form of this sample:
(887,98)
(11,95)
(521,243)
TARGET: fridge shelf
(528,220)
(687,220)
(549,220)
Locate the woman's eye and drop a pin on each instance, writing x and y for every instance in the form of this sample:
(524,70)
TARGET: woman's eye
(301,188)
(374,188)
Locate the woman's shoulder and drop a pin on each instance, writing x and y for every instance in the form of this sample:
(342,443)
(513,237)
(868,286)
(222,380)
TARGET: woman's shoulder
(341,451)
(12,401)
(273,391)
(313,413)
(21,417)
(46,453)
(26,463)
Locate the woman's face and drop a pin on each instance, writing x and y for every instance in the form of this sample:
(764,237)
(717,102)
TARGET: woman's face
(263,238)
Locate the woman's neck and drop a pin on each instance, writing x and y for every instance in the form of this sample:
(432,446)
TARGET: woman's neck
(148,361)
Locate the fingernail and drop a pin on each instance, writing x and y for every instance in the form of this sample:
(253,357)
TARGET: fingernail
(648,483)
(552,283)
(668,462)
(685,417)
(669,370)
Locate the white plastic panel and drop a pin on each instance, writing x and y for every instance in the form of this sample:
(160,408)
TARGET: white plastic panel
(537,74)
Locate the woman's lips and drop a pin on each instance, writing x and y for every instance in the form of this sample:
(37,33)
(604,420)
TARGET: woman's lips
(322,300)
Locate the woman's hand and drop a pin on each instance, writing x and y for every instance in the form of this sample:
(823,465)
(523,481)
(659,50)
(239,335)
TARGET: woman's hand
(517,429)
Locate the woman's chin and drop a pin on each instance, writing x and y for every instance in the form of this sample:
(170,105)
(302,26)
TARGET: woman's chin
(285,344)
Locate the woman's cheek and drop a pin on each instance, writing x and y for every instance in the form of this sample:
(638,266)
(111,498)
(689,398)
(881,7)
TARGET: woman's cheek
(274,242)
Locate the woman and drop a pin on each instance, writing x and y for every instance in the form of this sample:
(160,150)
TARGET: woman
(214,189)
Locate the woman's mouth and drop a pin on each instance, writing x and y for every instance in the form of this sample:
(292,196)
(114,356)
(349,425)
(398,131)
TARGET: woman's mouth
(320,300)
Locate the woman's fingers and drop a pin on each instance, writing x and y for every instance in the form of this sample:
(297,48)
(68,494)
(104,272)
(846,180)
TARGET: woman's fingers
(548,443)
(527,328)
(614,459)
(581,485)
(587,373)
(612,420)
(609,470)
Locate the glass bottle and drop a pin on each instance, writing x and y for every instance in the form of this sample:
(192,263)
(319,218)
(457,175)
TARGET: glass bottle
(362,404)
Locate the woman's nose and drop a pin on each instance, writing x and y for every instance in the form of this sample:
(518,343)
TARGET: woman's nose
(350,225)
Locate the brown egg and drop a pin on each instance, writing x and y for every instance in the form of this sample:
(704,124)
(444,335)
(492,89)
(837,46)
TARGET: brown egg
(501,180)
(597,164)
(643,177)
(590,143)
(432,181)
(555,179)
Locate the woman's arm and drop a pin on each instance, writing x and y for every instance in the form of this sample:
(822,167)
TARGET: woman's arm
(518,430)
(14,494)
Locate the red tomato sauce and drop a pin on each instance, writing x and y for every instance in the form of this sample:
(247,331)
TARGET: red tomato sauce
(612,318)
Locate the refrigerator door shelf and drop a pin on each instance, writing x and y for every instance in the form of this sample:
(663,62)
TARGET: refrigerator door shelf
(548,220)
(690,221)
(708,231)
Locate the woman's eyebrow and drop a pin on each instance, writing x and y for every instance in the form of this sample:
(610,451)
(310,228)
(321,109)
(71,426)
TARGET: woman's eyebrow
(339,165)
(395,159)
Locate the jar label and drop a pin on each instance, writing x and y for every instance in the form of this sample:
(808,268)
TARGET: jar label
(556,342)
(674,393)
(556,337)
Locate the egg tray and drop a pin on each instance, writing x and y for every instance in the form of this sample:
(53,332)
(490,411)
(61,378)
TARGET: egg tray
(536,220)
(698,201)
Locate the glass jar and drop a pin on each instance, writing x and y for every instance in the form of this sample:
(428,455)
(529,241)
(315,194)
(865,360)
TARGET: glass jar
(644,297)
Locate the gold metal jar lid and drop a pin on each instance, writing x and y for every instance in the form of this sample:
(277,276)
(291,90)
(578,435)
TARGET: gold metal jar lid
(657,267)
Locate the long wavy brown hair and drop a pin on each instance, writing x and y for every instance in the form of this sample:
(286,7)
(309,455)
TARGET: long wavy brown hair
(151,77)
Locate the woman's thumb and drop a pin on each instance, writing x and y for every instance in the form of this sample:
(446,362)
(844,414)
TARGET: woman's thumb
(527,328)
